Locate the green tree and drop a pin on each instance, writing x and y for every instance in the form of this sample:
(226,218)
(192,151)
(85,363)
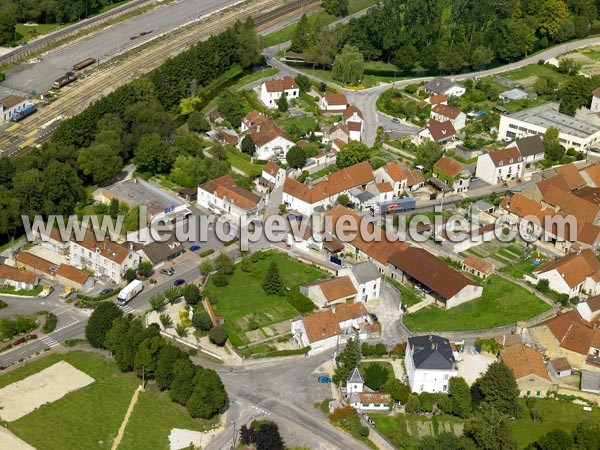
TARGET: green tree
(397,389)
(352,153)
(182,384)
(100,161)
(481,57)
(336,7)
(217,335)
(165,320)
(152,154)
(191,293)
(100,322)
(157,302)
(428,153)
(405,57)
(490,431)
(197,123)
(446,441)
(249,45)
(181,330)
(302,36)
(413,404)
(569,66)
(499,389)
(349,359)
(248,145)
(460,397)
(201,320)
(343,200)
(224,264)
(172,294)
(164,373)
(550,15)
(145,268)
(113,208)
(376,375)
(272,283)
(230,106)
(302,81)
(296,157)
(282,103)
(205,267)
(553,150)
(147,356)
(62,188)
(7,169)
(209,395)
(555,440)
(349,66)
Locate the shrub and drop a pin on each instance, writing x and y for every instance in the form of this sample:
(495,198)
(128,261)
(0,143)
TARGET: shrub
(201,320)
(217,335)
(219,279)
(299,301)
(364,431)
(50,324)
(3,304)
(205,253)
(100,322)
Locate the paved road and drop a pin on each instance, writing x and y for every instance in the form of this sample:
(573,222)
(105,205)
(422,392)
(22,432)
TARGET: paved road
(285,393)
(106,43)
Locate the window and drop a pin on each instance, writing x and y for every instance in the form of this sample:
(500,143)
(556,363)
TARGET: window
(445,388)
(421,388)
(538,393)
(376,405)
(446,377)
(365,405)
(528,393)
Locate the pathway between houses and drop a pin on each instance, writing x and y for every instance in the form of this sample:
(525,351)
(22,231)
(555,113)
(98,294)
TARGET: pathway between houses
(117,440)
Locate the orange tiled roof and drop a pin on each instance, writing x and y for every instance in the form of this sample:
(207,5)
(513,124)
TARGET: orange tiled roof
(279,85)
(350,311)
(446,111)
(524,361)
(337,288)
(31,260)
(477,263)
(321,326)
(574,268)
(336,99)
(572,175)
(14,274)
(449,166)
(72,273)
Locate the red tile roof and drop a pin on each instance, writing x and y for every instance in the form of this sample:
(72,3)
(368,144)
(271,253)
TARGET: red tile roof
(524,361)
(477,263)
(505,156)
(321,326)
(14,274)
(572,175)
(11,100)
(374,398)
(446,111)
(272,168)
(34,261)
(337,288)
(279,85)
(349,112)
(573,268)
(350,311)
(440,130)
(336,99)
(72,273)
(226,188)
(449,166)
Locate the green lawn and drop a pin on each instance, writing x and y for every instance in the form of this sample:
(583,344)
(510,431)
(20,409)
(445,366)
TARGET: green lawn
(556,415)
(237,160)
(24,292)
(502,303)
(521,267)
(90,417)
(535,70)
(27,32)
(244,298)
(285,34)
(409,296)
(255,76)
(405,429)
(293,125)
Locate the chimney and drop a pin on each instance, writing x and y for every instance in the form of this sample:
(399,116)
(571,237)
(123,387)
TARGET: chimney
(258,128)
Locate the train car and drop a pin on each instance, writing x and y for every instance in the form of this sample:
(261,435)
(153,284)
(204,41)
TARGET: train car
(85,63)
(18,115)
(67,78)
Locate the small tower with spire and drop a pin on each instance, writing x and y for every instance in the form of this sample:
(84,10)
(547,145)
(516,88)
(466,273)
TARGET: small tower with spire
(355,382)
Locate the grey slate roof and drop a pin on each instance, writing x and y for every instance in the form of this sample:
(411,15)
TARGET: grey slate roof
(439,85)
(355,377)
(530,146)
(590,381)
(362,196)
(365,271)
(158,252)
(483,206)
(432,353)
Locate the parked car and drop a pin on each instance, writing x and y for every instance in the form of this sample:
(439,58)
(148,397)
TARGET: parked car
(104,292)
(473,179)
(195,248)
(395,120)
(178,282)
(46,291)
(324,379)
(374,317)
(168,271)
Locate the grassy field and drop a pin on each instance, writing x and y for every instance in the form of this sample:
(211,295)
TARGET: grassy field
(502,303)
(285,34)
(409,296)
(255,76)
(527,73)
(25,32)
(244,298)
(91,416)
(556,415)
(293,125)
(237,160)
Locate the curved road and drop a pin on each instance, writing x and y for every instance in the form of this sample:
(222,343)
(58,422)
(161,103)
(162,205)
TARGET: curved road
(109,42)
(366,99)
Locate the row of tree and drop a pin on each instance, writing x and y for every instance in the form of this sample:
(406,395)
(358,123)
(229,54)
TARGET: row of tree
(451,35)
(145,352)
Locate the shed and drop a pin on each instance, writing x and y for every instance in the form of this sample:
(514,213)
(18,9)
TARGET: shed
(484,206)
(559,367)
(590,381)
(188,194)
(513,94)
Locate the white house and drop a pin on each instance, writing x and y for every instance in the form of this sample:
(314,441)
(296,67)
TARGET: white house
(443,112)
(453,173)
(443,133)
(400,177)
(10,104)
(272,90)
(589,309)
(333,103)
(354,121)
(531,149)
(272,177)
(500,165)
(19,279)
(570,274)
(444,86)
(304,199)
(223,195)
(329,328)
(430,363)
(270,140)
(573,133)
(595,106)
(366,280)
(329,292)
(371,401)
(355,382)
(106,259)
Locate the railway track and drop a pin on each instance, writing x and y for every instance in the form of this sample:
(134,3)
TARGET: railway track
(36,128)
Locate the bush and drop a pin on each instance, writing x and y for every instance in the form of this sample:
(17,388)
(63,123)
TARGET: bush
(197,122)
(3,304)
(217,335)
(100,322)
(205,253)
(50,324)
(364,431)
(276,353)
(201,320)
(299,301)
(219,279)
(191,293)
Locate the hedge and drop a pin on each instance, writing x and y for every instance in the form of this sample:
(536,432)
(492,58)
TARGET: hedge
(298,351)
(204,253)
(50,324)
(87,298)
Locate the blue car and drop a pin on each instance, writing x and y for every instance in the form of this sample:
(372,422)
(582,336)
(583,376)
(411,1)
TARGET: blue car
(194,248)
(324,379)
(179,282)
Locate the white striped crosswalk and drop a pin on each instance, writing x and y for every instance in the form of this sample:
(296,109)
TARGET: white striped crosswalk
(50,341)
(127,309)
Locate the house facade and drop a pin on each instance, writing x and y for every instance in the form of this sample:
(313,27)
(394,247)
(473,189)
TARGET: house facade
(272,90)
(444,86)
(453,173)
(333,103)
(500,166)
(10,104)
(19,279)
(529,370)
(224,196)
(443,133)
(443,112)
(430,363)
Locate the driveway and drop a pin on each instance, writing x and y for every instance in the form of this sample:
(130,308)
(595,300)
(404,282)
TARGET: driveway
(387,309)
(473,364)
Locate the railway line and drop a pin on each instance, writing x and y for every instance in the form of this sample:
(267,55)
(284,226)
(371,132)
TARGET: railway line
(20,137)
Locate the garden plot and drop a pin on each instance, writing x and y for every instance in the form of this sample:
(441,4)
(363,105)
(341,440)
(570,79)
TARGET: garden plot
(49,385)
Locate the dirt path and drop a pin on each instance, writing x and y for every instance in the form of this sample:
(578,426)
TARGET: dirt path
(117,440)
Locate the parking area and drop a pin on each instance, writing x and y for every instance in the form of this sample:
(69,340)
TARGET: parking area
(320,391)
(472,364)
